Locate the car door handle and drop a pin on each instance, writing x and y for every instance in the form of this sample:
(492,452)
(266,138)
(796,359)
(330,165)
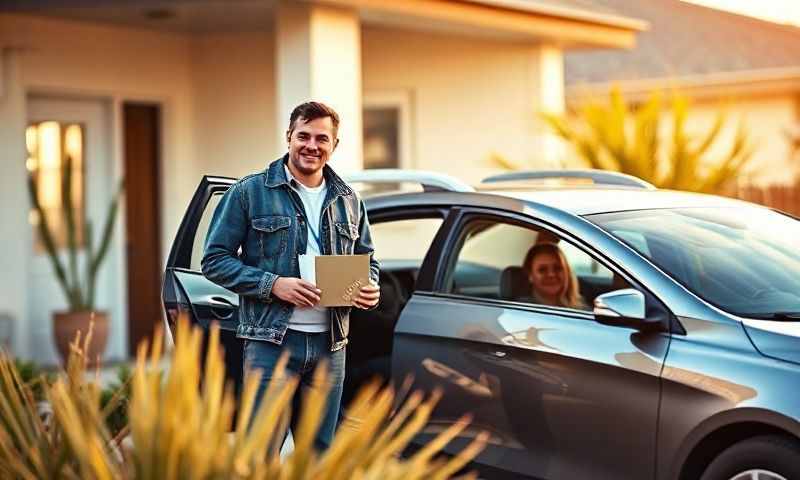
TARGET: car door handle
(220,302)
(499,354)
(221,308)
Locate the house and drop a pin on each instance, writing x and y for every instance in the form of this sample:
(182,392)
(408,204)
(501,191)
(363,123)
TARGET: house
(748,67)
(164,91)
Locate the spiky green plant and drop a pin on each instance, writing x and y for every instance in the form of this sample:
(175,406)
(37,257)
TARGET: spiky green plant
(119,392)
(180,419)
(616,136)
(78,289)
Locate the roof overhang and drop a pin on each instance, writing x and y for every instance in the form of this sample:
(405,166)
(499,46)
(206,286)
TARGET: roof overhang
(774,81)
(532,21)
(512,19)
(563,11)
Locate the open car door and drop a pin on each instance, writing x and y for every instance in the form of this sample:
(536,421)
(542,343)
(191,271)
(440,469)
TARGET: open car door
(187,292)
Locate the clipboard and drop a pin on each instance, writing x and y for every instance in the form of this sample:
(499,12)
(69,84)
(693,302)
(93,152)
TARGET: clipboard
(340,277)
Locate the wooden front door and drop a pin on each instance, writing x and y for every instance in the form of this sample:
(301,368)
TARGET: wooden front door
(142,126)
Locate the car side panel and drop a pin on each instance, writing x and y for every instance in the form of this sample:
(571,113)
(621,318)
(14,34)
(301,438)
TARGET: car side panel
(562,395)
(713,377)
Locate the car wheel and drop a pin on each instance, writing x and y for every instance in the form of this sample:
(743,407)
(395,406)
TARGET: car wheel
(768,457)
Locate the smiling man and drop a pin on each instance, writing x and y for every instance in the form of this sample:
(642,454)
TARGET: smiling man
(298,205)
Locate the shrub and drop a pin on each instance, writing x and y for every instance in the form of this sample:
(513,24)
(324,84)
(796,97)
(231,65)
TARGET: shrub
(614,135)
(179,425)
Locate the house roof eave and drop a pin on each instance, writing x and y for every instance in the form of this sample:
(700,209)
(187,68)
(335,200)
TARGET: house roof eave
(708,86)
(505,18)
(600,18)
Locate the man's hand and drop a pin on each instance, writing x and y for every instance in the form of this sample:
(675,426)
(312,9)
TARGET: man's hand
(296,291)
(368,296)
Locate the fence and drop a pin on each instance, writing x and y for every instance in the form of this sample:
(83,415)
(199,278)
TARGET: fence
(782,197)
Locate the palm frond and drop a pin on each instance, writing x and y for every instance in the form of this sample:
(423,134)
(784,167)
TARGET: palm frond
(615,136)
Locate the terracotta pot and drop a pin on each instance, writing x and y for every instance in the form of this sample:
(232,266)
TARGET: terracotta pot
(67,324)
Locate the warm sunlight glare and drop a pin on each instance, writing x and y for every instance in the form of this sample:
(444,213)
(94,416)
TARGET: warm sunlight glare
(780,11)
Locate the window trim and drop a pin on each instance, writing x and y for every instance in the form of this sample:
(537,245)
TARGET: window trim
(521,306)
(180,254)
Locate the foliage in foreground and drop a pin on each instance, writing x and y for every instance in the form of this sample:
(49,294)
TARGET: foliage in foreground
(616,136)
(117,394)
(179,426)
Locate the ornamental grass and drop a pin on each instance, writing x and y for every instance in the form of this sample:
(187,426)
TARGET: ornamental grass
(185,423)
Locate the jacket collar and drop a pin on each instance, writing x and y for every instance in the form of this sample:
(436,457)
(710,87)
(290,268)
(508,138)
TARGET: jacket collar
(276,177)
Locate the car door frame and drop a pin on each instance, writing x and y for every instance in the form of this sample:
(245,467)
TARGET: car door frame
(177,301)
(386,214)
(174,300)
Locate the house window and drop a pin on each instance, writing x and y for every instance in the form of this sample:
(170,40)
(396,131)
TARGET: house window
(388,141)
(381,137)
(55,168)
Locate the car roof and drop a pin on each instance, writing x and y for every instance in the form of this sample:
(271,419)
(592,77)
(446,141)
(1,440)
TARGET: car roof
(575,200)
(592,199)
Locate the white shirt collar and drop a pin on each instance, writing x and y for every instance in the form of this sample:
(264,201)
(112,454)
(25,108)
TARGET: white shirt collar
(294,183)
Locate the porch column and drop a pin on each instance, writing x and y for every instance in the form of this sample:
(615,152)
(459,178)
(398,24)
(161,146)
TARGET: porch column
(14,227)
(547,90)
(318,57)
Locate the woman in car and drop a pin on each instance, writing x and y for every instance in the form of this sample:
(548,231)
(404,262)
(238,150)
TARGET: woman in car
(551,278)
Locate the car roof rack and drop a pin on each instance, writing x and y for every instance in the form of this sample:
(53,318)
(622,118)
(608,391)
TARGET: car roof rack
(598,177)
(429,181)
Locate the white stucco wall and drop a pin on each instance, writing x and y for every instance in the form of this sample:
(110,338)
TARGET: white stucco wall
(768,118)
(15,235)
(119,64)
(318,56)
(234,104)
(471,97)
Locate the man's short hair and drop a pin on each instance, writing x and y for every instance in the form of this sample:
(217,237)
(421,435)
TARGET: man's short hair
(309,111)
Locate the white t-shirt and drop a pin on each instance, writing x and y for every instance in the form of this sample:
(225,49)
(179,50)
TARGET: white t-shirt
(310,319)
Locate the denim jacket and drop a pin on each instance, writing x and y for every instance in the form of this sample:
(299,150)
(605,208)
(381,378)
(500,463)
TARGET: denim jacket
(264,217)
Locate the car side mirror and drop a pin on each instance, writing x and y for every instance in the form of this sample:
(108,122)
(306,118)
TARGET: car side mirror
(622,308)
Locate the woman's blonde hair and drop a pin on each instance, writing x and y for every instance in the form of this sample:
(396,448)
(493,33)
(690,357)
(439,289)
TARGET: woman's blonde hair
(570,297)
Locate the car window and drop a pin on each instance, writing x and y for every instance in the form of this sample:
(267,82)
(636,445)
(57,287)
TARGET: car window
(202,230)
(635,239)
(490,263)
(744,260)
(404,241)
(400,247)
(584,265)
(483,245)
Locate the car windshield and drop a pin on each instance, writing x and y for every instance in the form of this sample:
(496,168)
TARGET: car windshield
(745,261)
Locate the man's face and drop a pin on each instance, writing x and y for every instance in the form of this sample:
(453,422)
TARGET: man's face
(311,144)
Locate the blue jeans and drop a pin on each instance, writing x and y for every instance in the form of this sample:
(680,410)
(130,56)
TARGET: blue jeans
(305,351)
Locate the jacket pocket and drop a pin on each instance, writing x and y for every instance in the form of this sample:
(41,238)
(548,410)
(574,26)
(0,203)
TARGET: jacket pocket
(347,236)
(273,233)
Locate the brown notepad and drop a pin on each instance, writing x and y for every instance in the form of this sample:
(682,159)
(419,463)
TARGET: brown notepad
(340,277)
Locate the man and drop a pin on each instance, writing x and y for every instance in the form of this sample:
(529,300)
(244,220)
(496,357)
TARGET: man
(298,205)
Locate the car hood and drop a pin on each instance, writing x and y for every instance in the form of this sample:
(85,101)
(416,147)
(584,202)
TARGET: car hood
(777,339)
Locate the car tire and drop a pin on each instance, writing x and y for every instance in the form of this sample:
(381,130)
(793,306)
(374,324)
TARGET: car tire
(767,457)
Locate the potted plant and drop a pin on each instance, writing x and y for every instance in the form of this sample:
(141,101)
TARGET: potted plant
(79,289)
